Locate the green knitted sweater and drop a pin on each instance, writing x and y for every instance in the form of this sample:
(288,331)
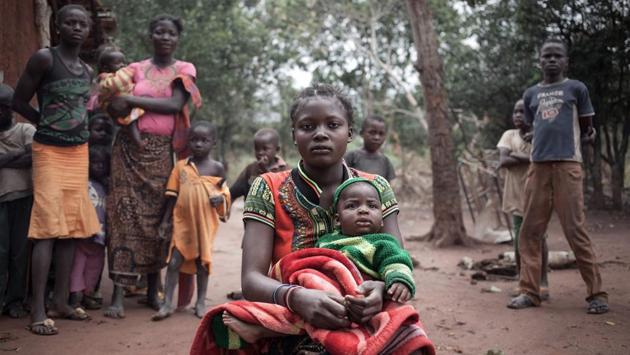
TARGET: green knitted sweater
(378,255)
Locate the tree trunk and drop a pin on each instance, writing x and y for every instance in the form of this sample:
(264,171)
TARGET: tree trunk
(595,163)
(448,227)
(617,183)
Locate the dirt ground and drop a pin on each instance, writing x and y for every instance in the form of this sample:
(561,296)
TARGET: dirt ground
(457,315)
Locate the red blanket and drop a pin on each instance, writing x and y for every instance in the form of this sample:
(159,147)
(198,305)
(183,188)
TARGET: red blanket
(395,330)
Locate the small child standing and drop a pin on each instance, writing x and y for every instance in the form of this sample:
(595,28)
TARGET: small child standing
(16,199)
(101,129)
(266,148)
(369,158)
(358,235)
(198,199)
(89,254)
(514,152)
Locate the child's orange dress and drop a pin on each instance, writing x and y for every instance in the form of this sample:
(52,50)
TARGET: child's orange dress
(195,221)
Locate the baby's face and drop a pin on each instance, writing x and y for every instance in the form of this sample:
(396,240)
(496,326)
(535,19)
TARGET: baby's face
(359,210)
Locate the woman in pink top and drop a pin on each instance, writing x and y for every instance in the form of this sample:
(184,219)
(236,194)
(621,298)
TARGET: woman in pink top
(139,172)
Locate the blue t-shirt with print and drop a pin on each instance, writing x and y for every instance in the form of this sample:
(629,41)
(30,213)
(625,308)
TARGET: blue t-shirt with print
(555,110)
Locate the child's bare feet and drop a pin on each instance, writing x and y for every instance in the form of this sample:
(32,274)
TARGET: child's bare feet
(164,312)
(249,332)
(116,312)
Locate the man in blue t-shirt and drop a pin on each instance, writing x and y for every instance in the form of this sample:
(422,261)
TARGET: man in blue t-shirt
(562,116)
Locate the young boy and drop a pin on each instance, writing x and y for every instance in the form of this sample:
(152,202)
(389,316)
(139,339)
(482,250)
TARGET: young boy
(514,151)
(561,112)
(198,199)
(266,148)
(369,158)
(16,199)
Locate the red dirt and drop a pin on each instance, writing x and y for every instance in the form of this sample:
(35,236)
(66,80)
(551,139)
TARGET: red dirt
(458,317)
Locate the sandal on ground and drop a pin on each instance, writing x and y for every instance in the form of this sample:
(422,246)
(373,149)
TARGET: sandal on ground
(77,314)
(597,306)
(45,327)
(521,301)
(235,295)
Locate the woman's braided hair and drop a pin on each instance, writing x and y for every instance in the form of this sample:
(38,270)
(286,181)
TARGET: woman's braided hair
(322,90)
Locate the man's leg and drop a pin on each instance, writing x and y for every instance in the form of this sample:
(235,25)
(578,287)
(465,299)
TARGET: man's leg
(538,207)
(569,200)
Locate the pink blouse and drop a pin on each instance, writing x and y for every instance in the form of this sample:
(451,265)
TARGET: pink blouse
(152,81)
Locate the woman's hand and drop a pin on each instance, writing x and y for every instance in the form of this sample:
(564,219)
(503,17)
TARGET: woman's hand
(370,301)
(119,107)
(320,309)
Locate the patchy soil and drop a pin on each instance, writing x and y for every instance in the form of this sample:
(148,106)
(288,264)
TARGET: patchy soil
(457,315)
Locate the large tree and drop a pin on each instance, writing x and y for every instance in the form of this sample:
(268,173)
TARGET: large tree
(448,227)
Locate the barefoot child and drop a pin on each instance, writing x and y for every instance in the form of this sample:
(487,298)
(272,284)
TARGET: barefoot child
(514,152)
(62,211)
(16,199)
(114,80)
(198,199)
(369,158)
(561,113)
(288,211)
(89,254)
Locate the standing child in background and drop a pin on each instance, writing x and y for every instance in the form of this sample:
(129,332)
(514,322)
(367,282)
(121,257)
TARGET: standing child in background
(89,254)
(266,148)
(562,116)
(514,152)
(197,198)
(369,158)
(101,129)
(62,211)
(16,199)
(114,80)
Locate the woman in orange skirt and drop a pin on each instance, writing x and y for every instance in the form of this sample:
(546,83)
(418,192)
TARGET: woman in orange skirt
(61,210)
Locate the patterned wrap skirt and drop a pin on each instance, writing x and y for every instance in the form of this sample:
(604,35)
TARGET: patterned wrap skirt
(135,206)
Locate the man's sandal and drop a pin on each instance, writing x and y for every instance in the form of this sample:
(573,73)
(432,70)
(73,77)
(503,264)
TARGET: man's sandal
(45,327)
(521,301)
(597,306)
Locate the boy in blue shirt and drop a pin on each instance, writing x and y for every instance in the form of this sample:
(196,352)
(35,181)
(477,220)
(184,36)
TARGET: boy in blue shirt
(562,116)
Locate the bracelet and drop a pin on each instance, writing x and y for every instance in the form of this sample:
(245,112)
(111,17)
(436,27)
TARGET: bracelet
(275,292)
(288,295)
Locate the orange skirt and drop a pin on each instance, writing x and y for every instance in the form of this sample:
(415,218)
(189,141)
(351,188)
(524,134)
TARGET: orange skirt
(61,206)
